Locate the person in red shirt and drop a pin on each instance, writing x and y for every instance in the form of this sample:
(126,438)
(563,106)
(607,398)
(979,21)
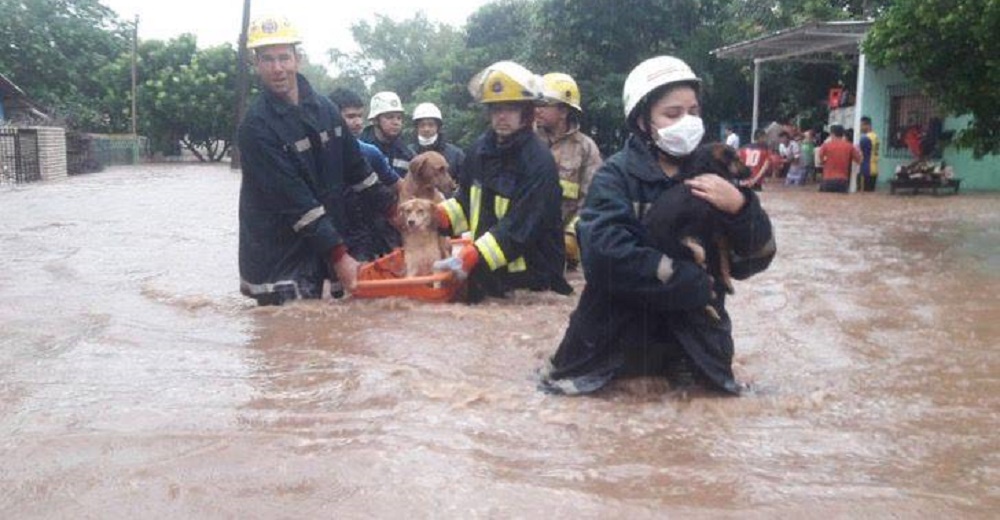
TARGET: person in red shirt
(837,154)
(757,157)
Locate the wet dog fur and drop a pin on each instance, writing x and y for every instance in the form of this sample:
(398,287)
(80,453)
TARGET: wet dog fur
(422,244)
(686,227)
(427,178)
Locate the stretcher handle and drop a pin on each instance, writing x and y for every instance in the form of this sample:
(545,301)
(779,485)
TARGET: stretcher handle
(446,276)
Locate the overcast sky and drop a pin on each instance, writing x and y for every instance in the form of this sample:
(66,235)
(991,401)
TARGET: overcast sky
(322,28)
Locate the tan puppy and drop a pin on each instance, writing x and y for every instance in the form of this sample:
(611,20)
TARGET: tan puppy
(422,245)
(427,178)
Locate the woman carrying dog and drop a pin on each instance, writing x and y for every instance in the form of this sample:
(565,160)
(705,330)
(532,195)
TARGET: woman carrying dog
(508,196)
(634,316)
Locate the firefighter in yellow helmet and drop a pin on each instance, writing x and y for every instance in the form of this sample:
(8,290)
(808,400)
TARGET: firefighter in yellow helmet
(509,194)
(297,159)
(557,122)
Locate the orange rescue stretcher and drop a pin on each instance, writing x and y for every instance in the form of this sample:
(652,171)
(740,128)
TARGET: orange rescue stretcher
(381,279)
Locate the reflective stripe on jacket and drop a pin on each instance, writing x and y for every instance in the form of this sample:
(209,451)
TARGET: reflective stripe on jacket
(509,199)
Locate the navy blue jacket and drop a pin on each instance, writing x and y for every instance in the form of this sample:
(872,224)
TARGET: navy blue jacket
(297,163)
(509,197)
(379,163)
(626,310)
(396,152)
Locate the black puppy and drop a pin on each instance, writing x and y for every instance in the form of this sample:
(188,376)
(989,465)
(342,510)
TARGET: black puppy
(685,227)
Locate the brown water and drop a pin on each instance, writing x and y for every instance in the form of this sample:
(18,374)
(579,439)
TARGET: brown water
(135,382)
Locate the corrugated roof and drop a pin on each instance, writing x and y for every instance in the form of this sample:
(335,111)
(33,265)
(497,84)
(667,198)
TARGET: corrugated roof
(816,41)
(16,98)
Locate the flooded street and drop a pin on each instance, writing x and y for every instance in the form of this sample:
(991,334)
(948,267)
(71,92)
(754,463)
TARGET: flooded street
(136,382)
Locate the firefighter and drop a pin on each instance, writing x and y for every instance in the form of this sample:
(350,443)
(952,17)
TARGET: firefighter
(509,194)
(427,122)
(298,158)
(577,156)
(641,312)
(385,130)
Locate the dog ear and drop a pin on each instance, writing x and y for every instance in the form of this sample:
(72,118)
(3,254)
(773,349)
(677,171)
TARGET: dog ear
(417,164)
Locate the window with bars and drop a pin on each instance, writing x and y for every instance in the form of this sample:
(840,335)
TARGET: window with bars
(912,119)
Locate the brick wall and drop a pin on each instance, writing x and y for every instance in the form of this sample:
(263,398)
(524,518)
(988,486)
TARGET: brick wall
(51,151)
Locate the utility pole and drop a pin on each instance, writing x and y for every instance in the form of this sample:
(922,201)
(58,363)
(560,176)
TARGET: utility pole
(241,85)
(135,134)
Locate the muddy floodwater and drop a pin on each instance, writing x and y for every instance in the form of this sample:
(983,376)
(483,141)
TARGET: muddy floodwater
(136,382)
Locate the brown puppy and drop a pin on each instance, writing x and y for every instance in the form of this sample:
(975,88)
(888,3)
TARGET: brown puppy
(422,245)
(427,178)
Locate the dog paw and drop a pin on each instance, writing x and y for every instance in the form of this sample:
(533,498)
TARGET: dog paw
(697,250)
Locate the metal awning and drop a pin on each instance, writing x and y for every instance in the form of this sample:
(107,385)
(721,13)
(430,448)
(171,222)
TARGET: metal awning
(812,42)
(816,41)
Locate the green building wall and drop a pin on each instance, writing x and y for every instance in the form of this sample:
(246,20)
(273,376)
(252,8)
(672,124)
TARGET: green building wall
(977,175)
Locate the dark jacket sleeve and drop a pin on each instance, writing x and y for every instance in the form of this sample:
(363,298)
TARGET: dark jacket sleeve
(534,207)
(378,162)
(280,190)
(750,233)
(617,260)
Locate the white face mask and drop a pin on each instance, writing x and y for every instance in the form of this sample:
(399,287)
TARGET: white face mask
(682,137)
(427,141)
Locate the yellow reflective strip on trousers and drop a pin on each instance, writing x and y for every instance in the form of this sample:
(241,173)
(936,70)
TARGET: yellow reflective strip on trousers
(475,202)
(490,250)
(500,206)
(457,217)
(518,265)
(571,227)
(571,190)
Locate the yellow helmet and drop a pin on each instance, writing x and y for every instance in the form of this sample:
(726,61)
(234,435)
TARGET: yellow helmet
(272,30)
(561,88)
(505,81)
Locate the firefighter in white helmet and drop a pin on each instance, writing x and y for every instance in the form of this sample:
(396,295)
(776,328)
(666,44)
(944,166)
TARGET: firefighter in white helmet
(385,130)
(428,122)
(509,194)
(557,122)
(297,160)
(642,312)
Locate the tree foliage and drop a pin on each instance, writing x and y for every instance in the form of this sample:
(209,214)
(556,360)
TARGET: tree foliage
(950,48)
(52,48)
(185,96)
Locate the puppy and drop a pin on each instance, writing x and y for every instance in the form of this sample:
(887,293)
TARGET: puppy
(422,245)
(427,178)
(686,227)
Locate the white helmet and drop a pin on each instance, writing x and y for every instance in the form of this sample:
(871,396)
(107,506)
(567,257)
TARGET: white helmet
(652,74)
(427,111)
(384,102)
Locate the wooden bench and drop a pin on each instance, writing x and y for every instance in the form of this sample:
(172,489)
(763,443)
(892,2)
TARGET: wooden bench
(917,185)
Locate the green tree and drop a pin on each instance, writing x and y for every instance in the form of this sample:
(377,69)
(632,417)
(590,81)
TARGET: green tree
(193,103)
(54,48)
(416,58)
(950,48)
(185,96)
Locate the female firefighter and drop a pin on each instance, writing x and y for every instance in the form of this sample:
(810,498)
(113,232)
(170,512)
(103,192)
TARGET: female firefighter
(638,314)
